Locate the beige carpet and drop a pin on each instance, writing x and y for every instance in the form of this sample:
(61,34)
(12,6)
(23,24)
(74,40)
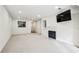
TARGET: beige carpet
(35,43)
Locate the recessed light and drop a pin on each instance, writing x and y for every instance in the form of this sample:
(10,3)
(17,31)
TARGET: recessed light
(19,11)
(56,7)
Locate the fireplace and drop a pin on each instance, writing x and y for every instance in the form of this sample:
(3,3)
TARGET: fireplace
(52,34)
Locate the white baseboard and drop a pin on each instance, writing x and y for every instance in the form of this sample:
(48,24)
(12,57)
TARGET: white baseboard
(6,43)
(21,34)
(71,43)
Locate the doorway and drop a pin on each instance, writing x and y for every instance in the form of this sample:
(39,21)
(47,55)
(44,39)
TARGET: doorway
(34,27)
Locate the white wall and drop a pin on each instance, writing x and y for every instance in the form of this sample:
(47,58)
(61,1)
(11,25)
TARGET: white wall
(76,30)
(5,27)
(65,31)
(76,27)
(27,29)
(17,30)
(51,21)
(38,26)
(50,25)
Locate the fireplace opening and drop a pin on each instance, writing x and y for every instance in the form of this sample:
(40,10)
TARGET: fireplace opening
(52,34)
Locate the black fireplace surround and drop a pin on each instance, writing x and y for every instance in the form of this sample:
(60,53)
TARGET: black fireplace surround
(52,34)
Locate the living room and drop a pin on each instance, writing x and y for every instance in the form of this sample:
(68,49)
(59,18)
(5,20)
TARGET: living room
(39,28)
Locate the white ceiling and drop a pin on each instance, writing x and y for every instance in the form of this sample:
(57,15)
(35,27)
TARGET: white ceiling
(33,10)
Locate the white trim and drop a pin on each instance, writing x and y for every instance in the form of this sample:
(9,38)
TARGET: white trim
(71,43)
(6,43)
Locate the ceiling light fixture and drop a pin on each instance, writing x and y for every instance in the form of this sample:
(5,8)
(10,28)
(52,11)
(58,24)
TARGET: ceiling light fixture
(56,7)
(19,11)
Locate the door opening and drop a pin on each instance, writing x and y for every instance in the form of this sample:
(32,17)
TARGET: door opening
(34,27)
